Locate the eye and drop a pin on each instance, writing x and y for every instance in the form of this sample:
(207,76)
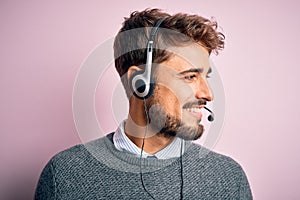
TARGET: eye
(190,77)
(208,76)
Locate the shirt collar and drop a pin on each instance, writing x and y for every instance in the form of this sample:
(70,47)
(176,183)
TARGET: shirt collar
(123,143)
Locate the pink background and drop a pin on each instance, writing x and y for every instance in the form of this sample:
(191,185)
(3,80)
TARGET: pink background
(44,43)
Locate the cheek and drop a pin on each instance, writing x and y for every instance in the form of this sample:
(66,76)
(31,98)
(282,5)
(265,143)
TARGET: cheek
(174,87)
(169,100)
(182,91)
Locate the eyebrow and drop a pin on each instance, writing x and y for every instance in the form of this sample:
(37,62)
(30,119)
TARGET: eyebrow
(195,70)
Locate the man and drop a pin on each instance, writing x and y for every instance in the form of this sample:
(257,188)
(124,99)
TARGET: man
(163,62)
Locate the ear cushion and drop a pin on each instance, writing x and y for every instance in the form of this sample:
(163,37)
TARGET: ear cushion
(140,86)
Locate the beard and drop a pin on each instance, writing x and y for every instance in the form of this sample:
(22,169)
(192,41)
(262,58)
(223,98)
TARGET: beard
(167,125)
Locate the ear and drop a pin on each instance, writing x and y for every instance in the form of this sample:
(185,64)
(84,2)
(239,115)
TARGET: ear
(132,70)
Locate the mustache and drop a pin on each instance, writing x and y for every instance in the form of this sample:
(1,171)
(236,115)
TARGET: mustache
(194,103)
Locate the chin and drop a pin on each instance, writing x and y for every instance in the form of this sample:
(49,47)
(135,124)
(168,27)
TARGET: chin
(190,132)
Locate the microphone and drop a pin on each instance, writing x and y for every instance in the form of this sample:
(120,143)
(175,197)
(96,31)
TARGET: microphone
(211,117)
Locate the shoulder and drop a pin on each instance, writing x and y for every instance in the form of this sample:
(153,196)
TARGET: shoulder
(77,156)
(223,160)
(211,157)
(215,164)
(70,152)
(70,171)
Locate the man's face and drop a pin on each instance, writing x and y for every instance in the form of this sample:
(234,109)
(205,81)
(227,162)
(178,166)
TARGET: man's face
(181,92)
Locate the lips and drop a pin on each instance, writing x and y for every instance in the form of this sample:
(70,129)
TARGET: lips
(196,111)
(193,108)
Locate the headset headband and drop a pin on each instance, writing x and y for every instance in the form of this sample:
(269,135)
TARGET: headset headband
(141,83)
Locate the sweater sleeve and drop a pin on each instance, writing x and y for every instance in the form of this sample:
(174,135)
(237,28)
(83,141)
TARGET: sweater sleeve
(244,189)
(46,188)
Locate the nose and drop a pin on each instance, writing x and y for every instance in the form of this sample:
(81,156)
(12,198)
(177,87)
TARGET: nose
(203,90)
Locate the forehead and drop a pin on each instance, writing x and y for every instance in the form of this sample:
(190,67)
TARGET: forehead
(187,57)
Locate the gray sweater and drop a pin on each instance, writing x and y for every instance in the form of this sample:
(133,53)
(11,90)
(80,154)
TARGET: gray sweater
(97,170)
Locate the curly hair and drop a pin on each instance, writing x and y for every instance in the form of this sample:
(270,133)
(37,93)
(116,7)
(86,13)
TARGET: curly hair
(176,30)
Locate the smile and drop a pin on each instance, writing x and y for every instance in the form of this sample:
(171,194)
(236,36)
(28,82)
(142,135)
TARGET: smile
(195,111)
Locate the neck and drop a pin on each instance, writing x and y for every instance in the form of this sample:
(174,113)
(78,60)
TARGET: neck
(153,142)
